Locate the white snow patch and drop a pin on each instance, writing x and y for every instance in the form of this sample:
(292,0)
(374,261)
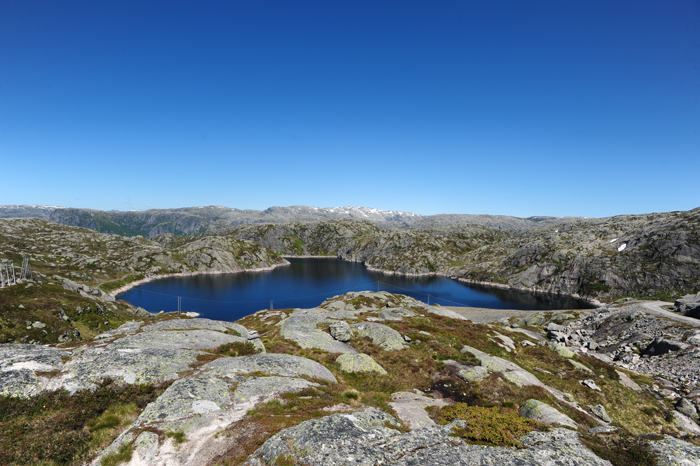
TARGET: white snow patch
(622,247)
(613,240)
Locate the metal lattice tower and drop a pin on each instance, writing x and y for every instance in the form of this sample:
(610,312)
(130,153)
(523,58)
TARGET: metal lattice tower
(7,273)
(26,272)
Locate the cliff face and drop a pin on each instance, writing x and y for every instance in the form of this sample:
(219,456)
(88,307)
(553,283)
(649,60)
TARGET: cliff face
(643,255)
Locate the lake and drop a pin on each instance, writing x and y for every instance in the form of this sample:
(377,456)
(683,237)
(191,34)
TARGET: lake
(307,283)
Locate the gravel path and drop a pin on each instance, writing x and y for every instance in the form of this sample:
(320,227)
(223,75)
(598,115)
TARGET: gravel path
(481,315)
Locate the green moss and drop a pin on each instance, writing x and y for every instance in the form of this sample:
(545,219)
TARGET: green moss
(178,437)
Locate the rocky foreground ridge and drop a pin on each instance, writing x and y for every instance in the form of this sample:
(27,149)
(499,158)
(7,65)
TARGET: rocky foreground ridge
(365,378)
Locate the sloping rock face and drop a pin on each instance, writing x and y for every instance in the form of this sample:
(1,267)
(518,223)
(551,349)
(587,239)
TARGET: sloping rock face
(674,452)
(285,365)
(534,409)
(152,356)
(365,438)
(19,365)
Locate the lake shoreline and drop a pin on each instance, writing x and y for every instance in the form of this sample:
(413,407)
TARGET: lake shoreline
(501,286)
(134,284)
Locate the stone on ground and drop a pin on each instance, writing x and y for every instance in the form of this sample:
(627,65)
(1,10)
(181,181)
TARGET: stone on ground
(562,351)
(533,409)
(601,413)
(627,382)
(359,363)
(380,334)
(684,423)
(341,331)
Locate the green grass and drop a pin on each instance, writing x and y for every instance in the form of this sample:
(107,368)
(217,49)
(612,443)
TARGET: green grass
(123,455)
(178,436)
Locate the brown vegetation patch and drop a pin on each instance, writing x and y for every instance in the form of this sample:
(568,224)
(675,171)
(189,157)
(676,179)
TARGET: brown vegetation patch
(62,429)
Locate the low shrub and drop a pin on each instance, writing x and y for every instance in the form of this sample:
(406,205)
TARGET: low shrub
(489,426)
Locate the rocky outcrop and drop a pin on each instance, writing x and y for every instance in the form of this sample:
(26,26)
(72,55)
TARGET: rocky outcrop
(689,305)
(301,328)
(411,408)
(368,438)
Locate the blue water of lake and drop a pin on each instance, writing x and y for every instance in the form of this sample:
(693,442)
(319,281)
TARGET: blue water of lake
(305,283)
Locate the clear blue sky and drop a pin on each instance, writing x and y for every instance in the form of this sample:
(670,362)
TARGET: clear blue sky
(559,108)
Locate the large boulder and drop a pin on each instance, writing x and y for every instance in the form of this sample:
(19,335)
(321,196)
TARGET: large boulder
(301,327)
(688,305)
(662,345)
(380,334)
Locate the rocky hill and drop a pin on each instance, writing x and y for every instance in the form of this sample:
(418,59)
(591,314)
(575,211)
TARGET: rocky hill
(653,255)
(198,220)
(365,378)
(94,264)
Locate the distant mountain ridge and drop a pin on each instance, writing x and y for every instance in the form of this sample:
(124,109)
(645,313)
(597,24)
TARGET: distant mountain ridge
(206,219)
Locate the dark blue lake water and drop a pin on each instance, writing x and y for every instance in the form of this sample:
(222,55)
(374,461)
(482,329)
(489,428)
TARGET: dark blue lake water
(307,282)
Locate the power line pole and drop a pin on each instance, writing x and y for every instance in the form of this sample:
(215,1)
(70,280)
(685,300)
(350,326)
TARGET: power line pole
(428,299)
(179,305)
(271,308)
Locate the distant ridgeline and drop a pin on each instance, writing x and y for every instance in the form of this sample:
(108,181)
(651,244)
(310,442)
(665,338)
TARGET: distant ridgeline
(651,255)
